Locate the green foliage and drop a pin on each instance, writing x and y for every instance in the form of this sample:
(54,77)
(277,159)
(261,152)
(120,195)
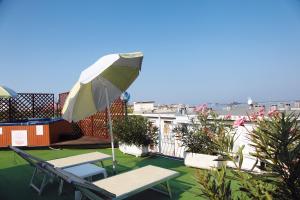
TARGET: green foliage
(129,109)
(217,183)
(251,185)
(195,139)
(135,130)
(214,185)
(205,134)
(277,143)
(276,140)
(225,142)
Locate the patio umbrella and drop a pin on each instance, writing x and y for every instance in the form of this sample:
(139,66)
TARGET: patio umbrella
(6,92)
(99,85)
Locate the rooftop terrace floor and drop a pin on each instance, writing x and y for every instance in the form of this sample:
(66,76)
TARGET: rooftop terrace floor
(15,174)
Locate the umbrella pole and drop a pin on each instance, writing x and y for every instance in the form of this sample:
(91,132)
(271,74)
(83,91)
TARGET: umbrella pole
(110,132)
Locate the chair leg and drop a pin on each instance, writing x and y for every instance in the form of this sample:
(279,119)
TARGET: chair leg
(105,174)
(169,189)
(102,164)
(78,195)
(44,183)
(60,188)
(33,175)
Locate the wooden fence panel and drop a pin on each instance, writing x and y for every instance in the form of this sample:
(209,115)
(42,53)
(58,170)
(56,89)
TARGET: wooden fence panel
(25,106)
(97,124)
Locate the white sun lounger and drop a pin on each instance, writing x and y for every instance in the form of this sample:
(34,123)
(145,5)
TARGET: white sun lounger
(39,165)
(122,185)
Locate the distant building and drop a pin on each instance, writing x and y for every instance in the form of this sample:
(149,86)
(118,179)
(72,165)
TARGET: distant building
(143,106)
(170,145)
(297,104)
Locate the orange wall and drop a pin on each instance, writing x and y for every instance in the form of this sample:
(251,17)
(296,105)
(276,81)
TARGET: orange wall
(32,138)
(51,133)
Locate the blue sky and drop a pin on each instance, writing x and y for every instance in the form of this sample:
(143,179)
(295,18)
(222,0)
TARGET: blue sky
(194,51)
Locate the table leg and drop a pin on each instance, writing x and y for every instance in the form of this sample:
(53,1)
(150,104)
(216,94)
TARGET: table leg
(60,188)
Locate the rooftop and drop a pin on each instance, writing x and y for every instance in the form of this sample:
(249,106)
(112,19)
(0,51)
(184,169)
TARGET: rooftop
(144,102)
(224,109)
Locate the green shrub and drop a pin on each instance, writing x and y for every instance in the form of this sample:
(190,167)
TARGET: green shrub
(276,140)
(206,133)
(214,184)
(135,130)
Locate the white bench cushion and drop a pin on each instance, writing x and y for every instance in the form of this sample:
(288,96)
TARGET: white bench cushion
(124,184)
(79,159)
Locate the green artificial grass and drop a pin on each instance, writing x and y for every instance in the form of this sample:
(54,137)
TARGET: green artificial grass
(15,174)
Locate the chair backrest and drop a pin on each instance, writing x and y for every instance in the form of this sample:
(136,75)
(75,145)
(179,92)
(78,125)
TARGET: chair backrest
(88,189)
(32,160)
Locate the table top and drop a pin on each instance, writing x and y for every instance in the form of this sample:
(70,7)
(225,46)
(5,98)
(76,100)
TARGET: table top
(79,159)
(85,170)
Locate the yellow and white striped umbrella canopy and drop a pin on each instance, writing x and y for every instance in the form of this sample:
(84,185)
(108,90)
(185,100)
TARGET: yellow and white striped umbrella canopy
(114,72)
(6,92)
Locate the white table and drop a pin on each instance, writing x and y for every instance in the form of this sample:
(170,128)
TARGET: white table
(86,171)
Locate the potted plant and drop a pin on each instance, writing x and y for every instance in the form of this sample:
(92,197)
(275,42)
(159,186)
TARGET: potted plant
(204,139)
(135,134)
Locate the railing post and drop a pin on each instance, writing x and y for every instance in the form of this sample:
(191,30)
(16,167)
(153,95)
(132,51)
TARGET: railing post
(159,136)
